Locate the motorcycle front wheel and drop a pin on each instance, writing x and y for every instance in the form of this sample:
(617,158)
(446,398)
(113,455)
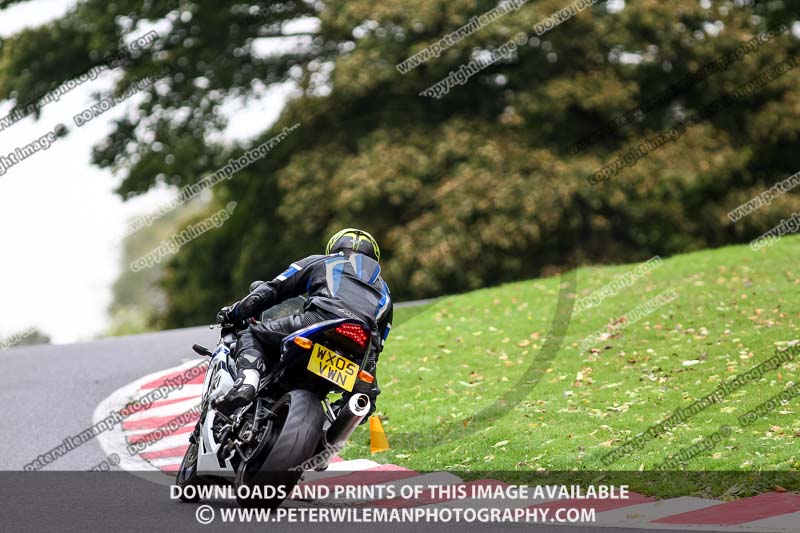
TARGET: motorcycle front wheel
(187,475)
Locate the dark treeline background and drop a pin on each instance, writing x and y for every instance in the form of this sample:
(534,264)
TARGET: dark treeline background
(474,189)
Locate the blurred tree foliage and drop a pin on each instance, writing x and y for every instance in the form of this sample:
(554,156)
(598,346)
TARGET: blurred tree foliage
(473,189)
(138,302)
(33,339)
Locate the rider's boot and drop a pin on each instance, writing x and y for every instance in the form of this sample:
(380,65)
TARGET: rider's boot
(242,393)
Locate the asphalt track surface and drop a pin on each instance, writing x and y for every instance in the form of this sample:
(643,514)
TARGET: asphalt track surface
(51,392)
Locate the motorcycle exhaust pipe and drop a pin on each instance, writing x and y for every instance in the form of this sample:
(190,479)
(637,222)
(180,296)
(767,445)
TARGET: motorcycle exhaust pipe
(350,416)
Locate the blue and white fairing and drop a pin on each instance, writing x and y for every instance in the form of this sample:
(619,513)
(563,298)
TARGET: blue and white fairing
(219,379)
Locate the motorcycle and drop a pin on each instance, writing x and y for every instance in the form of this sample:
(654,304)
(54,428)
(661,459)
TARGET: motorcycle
(290,427)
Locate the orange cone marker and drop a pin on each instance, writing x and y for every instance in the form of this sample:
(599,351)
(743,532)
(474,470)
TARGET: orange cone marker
(377,437)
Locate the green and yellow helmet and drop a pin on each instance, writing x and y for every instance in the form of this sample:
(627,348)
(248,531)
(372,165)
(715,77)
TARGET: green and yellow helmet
(355,240)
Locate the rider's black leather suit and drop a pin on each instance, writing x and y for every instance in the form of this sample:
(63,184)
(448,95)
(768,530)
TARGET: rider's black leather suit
(340,285)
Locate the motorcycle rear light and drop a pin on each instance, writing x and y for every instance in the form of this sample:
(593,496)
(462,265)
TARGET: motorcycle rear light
(354,332)
(303,342)
(366,377)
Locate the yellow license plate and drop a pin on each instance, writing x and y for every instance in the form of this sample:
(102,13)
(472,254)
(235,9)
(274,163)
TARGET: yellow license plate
(333,367)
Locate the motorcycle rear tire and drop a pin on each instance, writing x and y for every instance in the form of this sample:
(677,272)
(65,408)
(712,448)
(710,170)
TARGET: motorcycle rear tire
(296,431)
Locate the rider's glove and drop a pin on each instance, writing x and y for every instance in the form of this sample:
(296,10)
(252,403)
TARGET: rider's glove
(224,315)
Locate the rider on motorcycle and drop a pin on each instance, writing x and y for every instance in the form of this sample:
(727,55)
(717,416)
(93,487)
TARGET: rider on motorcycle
(344,283)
